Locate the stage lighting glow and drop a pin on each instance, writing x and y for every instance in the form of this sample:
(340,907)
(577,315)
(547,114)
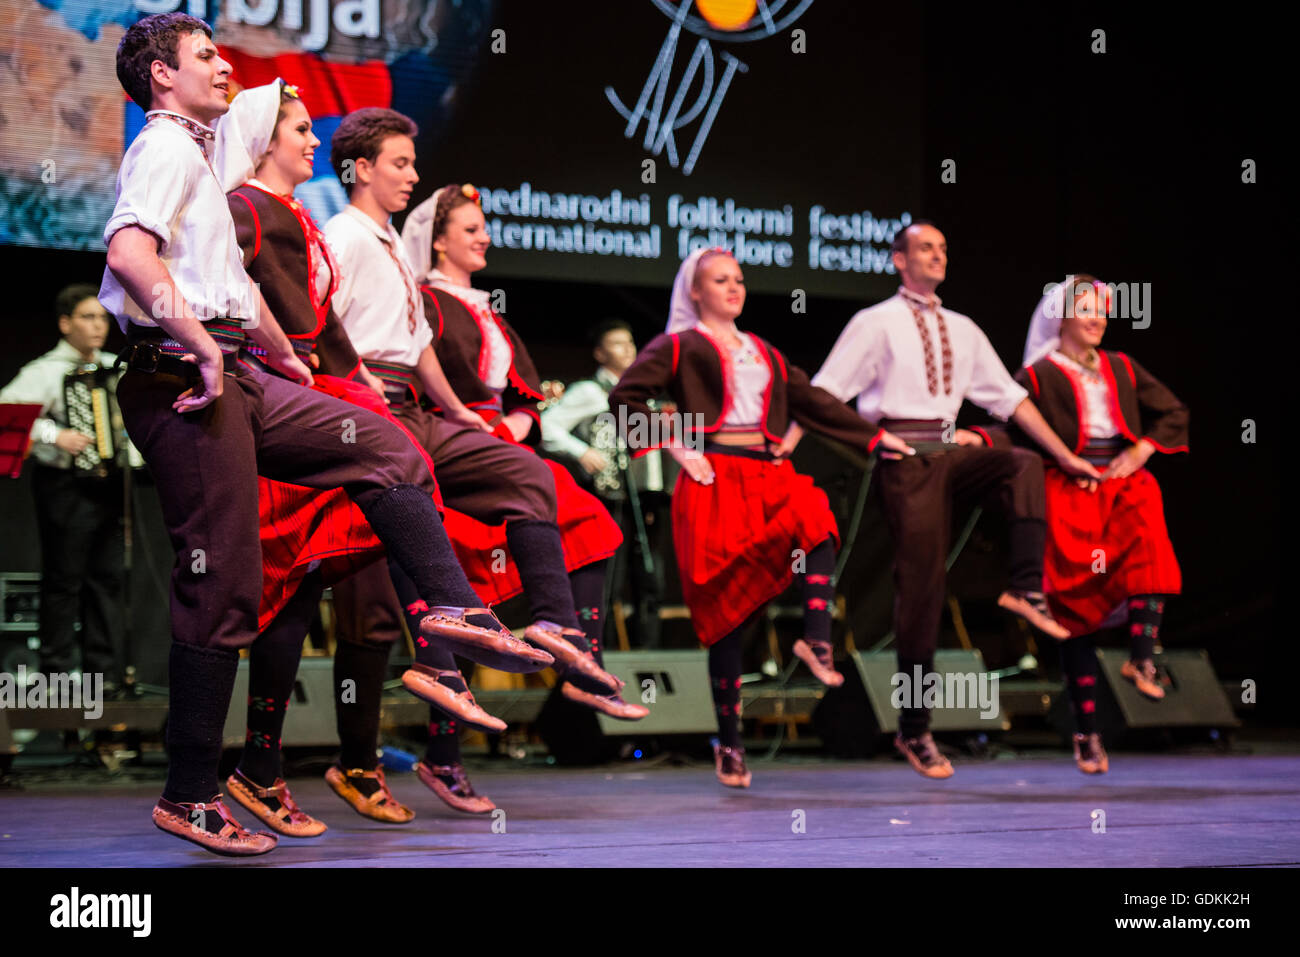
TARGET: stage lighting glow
(727,14)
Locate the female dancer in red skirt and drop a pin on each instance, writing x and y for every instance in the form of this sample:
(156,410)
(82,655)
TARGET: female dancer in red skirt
(1108,551)
(309,538)
(489,368)
(744,522)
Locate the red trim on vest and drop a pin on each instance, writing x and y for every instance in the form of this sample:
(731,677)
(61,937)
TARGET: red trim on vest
(1116,412)
(1080,401)
(983,435)
(1033,377)
(875,440)
(310,233)
(677,352)
(429,290)
(725,367)
(1132,377)
(771,381)
(257,228)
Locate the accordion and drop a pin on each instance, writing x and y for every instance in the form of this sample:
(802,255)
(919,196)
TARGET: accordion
(90,399)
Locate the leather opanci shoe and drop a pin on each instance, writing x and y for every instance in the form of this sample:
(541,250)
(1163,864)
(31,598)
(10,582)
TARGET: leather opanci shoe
(1143,677)
(819,657)
(459,793)
(729,765)
(496,648)
(194,822)
(576,665)
(612,705)
(924,756)
(1032,607)
(288,819)
(1089,755)
(379,806)
(422,681)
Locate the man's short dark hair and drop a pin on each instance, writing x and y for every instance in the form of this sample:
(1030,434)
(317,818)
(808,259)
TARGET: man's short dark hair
(899,245)
(599,331)
(65,303)
(154,38)
(362,134)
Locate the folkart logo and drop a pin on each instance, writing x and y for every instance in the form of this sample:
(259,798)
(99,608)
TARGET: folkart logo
(727,20)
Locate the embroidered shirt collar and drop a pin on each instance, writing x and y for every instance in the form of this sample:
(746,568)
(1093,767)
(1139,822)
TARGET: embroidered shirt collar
(919,300)
(202,135)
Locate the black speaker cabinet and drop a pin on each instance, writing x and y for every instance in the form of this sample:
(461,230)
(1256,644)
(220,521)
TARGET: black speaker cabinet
(1194,698)
(309,722)
(852,719)
(674,685)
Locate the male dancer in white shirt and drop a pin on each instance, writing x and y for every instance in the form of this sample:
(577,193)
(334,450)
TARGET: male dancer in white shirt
(379,304)
(909,366)
(207,426)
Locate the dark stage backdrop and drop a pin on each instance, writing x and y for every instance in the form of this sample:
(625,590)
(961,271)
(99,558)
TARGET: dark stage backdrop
(1126,164)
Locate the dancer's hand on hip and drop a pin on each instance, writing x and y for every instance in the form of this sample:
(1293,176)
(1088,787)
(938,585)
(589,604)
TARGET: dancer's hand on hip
(693,463)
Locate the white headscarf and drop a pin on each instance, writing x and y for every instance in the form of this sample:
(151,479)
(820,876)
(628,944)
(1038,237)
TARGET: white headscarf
(682,312)
(417,235)
(244,134)
(1045,327)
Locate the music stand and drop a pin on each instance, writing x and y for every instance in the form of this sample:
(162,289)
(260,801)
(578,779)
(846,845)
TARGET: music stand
(16,420)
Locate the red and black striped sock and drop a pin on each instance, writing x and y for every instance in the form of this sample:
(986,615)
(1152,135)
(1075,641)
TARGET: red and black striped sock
(1145,613)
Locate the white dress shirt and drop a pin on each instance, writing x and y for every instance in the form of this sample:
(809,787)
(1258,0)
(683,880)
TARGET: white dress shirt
(166,187)
(879,359)
(1098,421)
(376,297)
(497,368)
(583,400)
(750,378)
(41,382)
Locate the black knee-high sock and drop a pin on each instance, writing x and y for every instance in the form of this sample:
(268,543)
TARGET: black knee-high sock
(724,682)
(1079,669)
(1028,541)
(539,555)
(201,682)
(405,519)
(588,586)
(272,668)
(819,592)
(444,739)
(359,672)
(914,722)
(1145,613)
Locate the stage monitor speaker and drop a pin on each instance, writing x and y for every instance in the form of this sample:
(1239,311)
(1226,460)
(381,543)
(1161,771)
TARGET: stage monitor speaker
(852,718)
(674,685)
(1193,698)
(309,722)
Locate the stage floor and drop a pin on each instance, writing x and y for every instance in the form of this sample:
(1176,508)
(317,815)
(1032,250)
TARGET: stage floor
(1159,810)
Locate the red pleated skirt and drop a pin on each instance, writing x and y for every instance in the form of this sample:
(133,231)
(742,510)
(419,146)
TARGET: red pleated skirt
(736,538)
(301,525)
(1104,547)
(587,530)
